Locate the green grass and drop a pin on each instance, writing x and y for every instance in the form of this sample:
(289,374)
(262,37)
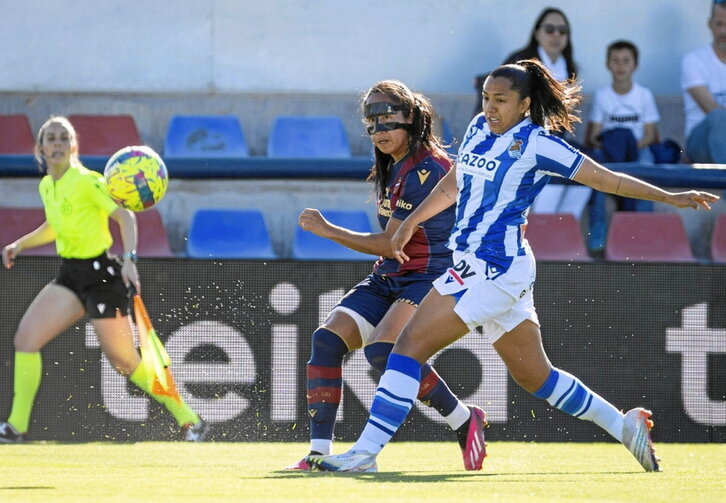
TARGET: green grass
(425,472)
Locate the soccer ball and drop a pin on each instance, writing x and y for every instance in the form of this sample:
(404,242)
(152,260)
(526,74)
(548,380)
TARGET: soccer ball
(136,178)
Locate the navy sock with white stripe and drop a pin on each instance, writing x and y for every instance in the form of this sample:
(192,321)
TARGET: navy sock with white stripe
(392,402)
(567,393)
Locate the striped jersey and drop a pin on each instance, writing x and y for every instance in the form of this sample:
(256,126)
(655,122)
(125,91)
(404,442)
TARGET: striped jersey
(410,180)
(498,177)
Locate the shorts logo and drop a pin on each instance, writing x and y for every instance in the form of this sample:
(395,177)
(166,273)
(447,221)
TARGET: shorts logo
(460,272)
(312,412)
(493,272)
(423,175)
(101,308)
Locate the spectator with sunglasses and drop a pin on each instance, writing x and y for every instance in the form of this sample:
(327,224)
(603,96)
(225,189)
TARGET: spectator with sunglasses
(409,162)
(550,43)
(703,81)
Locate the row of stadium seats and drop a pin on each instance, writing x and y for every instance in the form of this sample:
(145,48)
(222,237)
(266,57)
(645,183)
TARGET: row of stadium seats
(191,136)
(242,233)
(153,239)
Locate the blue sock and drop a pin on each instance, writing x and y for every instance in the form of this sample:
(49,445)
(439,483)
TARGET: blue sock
(567,393)
(393,400)
(433,391)
(324,387)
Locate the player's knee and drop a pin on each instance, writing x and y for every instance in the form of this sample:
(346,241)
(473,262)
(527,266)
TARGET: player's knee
(24,343)
(328,349)
(377,354)
(124,366)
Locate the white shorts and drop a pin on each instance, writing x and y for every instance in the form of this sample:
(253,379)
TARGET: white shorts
(497,301)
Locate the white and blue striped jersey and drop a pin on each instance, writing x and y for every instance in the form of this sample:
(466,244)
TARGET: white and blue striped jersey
(498,177)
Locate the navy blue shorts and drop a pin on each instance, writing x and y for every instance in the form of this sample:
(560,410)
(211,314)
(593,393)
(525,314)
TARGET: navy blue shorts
(374,296)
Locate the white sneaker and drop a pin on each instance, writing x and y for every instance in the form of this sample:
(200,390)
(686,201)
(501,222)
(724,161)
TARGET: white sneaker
(351,461)
(636,437)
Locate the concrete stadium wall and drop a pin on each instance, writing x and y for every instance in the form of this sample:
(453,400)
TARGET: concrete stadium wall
(322,46)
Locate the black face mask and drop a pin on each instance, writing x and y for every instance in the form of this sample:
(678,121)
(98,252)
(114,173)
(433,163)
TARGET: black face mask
(374,110)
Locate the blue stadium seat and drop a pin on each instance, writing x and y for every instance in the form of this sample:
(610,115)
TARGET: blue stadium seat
(205,136)
(222,233)
(308,246)
(310,137)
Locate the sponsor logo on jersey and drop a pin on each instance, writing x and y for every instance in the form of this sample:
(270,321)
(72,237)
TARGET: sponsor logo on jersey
(423,174)
(403,204)
(479,162)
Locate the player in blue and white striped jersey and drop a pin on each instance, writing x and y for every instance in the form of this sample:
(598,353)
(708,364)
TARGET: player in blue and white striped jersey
(505,159)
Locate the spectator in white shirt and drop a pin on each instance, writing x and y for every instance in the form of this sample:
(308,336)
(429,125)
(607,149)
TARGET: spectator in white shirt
(703,82)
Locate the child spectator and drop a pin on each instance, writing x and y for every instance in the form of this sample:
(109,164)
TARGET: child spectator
(622,128)
(624,115)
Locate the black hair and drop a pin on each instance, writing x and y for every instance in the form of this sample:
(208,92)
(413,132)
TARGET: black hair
(415,106)
(552,102)
(530,50)
(619,45)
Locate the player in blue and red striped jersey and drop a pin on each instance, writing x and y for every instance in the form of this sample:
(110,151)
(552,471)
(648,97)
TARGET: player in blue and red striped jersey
(409,162)
(505,160)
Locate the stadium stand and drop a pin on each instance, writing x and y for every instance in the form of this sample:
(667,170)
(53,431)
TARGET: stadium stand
(556,237)
(17,222)
(308,137)
(225,233)
(205,136)
(718,239)
(15,135)
(308,246)
(647,237)
(104,134)
(153,240)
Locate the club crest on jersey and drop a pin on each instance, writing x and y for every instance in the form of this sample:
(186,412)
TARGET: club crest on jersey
(515,149)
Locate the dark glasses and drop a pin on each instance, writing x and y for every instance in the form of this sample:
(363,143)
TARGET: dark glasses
(550,29)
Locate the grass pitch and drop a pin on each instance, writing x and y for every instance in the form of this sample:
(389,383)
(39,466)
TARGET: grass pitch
(421,472)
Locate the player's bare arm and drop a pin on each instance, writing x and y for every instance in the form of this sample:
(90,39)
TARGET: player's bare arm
(600,178)
(373,243)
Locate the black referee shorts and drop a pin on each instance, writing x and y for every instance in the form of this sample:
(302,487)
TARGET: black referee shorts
(97,283)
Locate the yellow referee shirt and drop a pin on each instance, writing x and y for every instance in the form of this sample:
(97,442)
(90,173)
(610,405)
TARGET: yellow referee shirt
(77,208)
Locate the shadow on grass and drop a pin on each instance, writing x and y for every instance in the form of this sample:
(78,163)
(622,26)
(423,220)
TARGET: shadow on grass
(24,488)
(423,477)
